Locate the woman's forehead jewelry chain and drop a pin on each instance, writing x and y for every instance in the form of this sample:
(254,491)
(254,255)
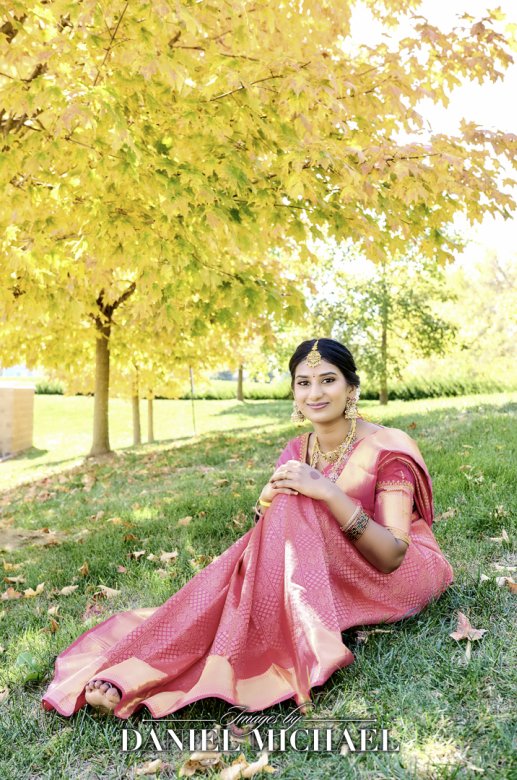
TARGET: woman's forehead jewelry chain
(314,357)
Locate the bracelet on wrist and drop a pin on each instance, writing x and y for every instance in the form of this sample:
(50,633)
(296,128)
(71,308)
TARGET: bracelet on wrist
(356,525)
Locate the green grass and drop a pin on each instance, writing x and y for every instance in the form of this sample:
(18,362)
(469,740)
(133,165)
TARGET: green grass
(450,715)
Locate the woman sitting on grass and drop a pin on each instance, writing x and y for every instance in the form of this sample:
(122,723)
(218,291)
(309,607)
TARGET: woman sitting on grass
(342,538)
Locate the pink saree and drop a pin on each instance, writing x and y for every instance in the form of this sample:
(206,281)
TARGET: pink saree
(262,622)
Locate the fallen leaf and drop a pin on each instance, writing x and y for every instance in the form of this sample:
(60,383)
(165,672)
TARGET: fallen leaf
(508,582)
(9,594)
(54,625)
(4,693)
(136,554)
(184,520)
(362,636)
(130,538)
(121,569)
(14,580)
(412,426)
(152,557)
(149,768)
(108,592)
(53,610)
(12,566)
(221,482)
(504,567)
(483,578)
(67,590)
(115,520)
(240,767)
(464,629)
(445,515)
(503,538)
(166,557)
(93,610)
(84,569)
(162,573)
(30,593)
(202,762)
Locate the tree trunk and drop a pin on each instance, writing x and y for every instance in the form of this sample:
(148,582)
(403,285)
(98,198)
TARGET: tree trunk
(137,432)
(101,442)
(240,379)
(135,404)
(383,391)
(150,418)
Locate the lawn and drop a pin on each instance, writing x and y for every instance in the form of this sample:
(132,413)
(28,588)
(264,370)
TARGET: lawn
(448,704)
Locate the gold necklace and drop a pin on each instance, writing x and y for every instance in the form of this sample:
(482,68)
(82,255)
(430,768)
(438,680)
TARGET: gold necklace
(334,456)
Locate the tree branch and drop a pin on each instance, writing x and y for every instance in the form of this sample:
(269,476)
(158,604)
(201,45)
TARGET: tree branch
(110,45)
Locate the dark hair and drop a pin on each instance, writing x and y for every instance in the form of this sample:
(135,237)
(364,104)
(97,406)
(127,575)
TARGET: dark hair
(330,350)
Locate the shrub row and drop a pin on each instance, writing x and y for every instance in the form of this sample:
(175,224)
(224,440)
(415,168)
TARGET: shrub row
(403,390)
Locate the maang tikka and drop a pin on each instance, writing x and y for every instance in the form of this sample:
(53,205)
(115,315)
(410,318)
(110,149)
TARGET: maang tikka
(314,357)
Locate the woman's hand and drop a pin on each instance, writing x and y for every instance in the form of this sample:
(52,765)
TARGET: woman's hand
(300,478)
(270,490)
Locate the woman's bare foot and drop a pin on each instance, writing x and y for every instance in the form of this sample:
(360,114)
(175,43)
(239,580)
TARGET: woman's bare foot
(102,695)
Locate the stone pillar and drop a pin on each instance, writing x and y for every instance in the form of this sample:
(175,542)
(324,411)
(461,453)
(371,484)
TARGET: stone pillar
(16,418)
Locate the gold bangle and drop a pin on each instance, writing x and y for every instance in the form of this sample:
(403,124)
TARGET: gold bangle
(359,527)
(349,523)
(264,503)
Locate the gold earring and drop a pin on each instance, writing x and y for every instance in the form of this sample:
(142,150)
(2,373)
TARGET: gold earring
(351,412)
(297,416)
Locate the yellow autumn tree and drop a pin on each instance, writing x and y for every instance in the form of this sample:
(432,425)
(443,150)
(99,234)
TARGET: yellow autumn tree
(154,152)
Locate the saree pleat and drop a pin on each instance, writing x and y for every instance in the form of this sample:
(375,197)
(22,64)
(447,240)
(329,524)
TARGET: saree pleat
(260,624)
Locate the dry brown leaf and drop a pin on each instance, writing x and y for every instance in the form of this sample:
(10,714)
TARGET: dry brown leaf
(504,567)
(130,538)
(503,538)
(10,593)
(483,578)
(445,515)
(152,557)
(54,625)
(167,557)
(221,482)
(149,768)
(4,693)
(240,767)
(92,610)
(105,591)
(162,573)
(14,580)
(362,636)
(84,569)
(29,593)
(240,519)
(53,610)
(67,590)
(12,566)
(136,554)
(115,520)
(184,520)
(508,582)
(201,762)
(465,630)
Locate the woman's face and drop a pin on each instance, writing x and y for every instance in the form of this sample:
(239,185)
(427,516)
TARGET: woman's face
(321,392)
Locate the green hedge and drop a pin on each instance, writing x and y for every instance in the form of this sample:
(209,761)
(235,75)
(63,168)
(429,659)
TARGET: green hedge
(403,390)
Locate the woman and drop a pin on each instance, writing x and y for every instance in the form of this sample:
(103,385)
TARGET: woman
(343,538)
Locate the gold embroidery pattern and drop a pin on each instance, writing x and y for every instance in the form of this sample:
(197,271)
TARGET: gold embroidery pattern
(401,484)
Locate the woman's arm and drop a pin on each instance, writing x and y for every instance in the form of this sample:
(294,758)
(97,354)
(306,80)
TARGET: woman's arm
(377,544)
